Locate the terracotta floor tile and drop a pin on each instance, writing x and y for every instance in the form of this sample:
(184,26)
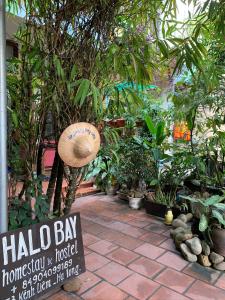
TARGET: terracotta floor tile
(149,250)
(109,213)
(203,291)
(167,233)
(114,273)
(110,235)
(88,280)
(108,222)
(146,267)
(89,239)
(157,227)
(124,218)
(153,238)
(166,294)
(195,270)
(103,247)
(173,260)
(174,280)
(128,242)
(138,286)
(138,223)
(104,291)
(63,296)
(95,229)
(127,229)
(221,282)
(95,261)
(123,256)
(87,251)
(169,245)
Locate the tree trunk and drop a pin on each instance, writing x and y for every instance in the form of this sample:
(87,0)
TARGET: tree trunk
(58,189)
(52,180)
(39,160)
(71,192)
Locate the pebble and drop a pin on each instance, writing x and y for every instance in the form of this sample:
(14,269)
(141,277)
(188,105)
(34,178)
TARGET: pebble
(173,232)
(195,245)
(72,285)
(189,217)
(181,237)
(182,217)
(220,266)
(205,248)
(204,260)
(178,223)
(216,258)
(187,253)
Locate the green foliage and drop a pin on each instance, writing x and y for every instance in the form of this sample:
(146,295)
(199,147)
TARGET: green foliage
(168,199)
(105,167)
(23,213)
(212,211)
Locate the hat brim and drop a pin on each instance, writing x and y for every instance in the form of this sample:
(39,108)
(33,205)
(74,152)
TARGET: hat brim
(67,141)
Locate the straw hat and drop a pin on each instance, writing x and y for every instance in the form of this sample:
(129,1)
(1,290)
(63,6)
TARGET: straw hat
(79,144)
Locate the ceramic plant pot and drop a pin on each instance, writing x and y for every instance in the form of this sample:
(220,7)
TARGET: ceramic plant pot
(135,203)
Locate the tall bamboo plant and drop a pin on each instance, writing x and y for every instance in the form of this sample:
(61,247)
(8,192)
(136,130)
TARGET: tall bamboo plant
(71,56)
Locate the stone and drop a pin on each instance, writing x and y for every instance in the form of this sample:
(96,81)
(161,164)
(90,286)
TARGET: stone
(189,217)
(195,245)
(187,253)
(220,266)
(204,260)
(205,248)
(216,258)
(181,237)
(182,217)
(72,285)
(178,223)
(175,231)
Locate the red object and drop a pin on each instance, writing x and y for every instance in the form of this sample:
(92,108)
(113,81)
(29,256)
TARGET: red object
(181,132)
(116,123)
(48,157)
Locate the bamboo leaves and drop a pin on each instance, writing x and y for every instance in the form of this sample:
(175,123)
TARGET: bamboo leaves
(82,92)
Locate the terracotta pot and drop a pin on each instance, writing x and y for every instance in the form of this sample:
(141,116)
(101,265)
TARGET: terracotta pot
(218,238)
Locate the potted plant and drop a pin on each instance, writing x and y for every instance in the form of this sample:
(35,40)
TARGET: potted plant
(160,203)
(134,167)
(211,215)
(135,199)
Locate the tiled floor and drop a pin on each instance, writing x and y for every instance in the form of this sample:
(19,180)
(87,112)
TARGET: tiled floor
(129,255)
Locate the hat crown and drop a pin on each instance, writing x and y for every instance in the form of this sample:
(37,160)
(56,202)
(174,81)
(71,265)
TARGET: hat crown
(82,147)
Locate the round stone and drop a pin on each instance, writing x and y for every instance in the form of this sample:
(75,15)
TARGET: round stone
(187,253)
(216,258)
(195,245)
(204,260)
(72,285)
(182,217)
(205,248)
(179,223)
(220,266)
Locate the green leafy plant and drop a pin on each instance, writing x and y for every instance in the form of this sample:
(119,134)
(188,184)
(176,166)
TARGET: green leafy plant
(168,199)
(23,213)
(210,211)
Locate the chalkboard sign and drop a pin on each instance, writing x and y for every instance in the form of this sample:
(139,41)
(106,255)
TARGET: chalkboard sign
(41,257)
